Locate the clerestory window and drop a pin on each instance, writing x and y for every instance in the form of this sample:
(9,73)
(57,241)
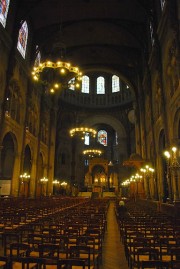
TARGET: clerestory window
(4,6)
(100,85)
(85,84)
(115,84)
(22,39)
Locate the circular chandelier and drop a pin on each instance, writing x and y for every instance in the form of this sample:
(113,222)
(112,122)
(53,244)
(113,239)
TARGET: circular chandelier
(57,75)
(81,131)
(92,152)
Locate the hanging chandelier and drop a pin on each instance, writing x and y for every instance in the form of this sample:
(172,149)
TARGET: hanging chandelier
(92,152)
(57,75)
(82,131)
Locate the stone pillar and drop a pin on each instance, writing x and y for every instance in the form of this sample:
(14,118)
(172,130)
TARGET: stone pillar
(51,153)
(73,160)
(15,184)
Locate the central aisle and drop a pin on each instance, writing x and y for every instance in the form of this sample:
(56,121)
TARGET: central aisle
(113,250)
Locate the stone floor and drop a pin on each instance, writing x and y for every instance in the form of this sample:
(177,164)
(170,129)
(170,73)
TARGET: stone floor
(113,250)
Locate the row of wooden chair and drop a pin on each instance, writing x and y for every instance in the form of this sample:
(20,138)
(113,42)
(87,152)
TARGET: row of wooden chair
(80,226)
(38,263)
(63,243)
(150,239)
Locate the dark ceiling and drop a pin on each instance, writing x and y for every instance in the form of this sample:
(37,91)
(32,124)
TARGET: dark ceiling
(98,34)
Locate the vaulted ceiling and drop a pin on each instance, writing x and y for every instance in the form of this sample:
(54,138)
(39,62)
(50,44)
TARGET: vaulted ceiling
(101,35)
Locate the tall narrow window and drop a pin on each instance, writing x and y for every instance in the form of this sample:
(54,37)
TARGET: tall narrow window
(151,32)
(85,84)
(86,139)
(102,137)
(162,3)
(116,137)
(100,85)
(4,6)
(71,84)
(38,59)
(22,39)
(115,84)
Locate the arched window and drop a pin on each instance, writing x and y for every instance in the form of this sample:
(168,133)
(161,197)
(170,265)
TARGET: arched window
(100,85)
(22,39)
(102,137)
(86,139)
(162,3)
(71,84)
(115,84)
(4,6)
(85,84)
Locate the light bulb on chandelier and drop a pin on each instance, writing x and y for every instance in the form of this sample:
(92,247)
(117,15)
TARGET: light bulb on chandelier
(57,75)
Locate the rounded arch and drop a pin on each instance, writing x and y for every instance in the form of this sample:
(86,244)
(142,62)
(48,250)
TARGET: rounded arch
(176,126)
(111,121)
(162,141)
(99,173)
(27,163)
(9,148)
(163,166)
(40,168)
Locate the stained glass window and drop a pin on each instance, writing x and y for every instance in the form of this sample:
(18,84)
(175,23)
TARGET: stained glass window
(4,6)
(115,84)
(100,85)
(102,137)
(22,39)
(85,84)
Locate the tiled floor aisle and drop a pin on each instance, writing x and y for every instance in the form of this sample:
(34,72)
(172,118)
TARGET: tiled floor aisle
(113,250)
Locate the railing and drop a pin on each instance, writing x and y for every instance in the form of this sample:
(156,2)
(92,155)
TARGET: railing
(113,99)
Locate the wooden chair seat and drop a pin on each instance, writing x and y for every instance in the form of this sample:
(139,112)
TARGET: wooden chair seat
(4,262)
(63,242)
(19,249)
(25,262)
(18,265)
(71,264)
(84,253)
(143,254)
(158,264)
(9,238)
(90,241)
